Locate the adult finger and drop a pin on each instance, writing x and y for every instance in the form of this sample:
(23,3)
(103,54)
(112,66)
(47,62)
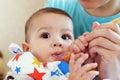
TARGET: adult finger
(95,26)
(105,43)
(109,25)
(106,33)
(99,50)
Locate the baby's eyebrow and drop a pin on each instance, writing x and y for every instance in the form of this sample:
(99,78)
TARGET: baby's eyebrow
(50,28)
(43,28)
(65,29)
(68,30)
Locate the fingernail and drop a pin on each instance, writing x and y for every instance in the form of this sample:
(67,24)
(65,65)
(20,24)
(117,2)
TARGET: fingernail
(97,72)
(96,22)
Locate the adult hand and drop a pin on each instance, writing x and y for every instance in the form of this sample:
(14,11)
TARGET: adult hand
(104,46)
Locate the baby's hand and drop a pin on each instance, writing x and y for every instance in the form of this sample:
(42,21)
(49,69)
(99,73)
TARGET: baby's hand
(80,44)
(79,71)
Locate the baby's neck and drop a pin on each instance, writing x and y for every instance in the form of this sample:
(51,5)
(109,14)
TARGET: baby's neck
(109,9)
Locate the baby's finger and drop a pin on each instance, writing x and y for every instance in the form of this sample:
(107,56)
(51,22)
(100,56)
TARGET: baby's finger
(90,75)
(77,46)
(81,60)
(72,61)
(83,40)
(88,67)
(80,45)
(85,33)
(74,48)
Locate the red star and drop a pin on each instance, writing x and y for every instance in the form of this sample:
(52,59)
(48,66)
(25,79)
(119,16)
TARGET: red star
(36,75)
(17,56)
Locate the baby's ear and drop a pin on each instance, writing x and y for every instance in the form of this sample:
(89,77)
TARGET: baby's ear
(25,47)
(95,25)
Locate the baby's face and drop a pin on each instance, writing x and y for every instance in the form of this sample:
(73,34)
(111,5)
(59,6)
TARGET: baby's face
(50,35)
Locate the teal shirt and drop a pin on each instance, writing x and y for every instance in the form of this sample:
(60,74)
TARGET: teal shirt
(82,21)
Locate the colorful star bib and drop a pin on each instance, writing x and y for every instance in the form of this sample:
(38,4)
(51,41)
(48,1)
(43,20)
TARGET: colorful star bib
(25,63)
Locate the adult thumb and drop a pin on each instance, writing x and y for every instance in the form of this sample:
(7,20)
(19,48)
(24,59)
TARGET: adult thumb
(95,25)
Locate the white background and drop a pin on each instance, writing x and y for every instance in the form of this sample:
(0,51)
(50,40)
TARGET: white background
(13,15)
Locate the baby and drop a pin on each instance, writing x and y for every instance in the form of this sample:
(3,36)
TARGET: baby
(48,35)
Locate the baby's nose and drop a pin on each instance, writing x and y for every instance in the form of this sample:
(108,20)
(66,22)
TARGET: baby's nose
(57,44)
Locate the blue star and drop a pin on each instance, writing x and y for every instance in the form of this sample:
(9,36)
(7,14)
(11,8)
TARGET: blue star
(17,70)
(17,51)
(57,73)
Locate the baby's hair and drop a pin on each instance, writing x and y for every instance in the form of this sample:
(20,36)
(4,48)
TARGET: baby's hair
(39,12)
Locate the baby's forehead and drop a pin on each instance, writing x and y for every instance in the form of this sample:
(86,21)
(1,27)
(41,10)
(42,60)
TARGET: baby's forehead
(47,18)
(48,13)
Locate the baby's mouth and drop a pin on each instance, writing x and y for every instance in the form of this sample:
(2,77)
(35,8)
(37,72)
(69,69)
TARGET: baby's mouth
(58,56)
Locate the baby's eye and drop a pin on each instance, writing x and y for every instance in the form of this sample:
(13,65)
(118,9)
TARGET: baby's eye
(66,37)
(45,35)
